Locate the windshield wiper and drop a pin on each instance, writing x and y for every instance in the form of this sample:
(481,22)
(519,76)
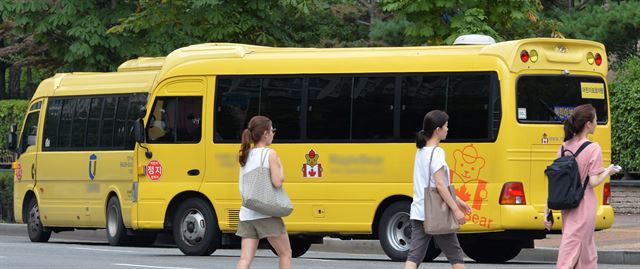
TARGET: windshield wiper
(551,111)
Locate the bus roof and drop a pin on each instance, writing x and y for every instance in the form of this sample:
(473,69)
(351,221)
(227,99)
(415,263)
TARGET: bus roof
(229,58)
(68,84)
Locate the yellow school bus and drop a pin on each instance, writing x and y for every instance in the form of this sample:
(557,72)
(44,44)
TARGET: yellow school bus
(346,120)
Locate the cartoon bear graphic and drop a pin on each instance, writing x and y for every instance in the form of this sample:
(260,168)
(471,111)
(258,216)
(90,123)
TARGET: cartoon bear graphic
(312,168)
(467,166)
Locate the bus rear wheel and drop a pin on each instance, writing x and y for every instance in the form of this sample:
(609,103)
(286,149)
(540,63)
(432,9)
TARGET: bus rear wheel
(116,232)
(195,228)
(491,251)
(35,229)
(394,230)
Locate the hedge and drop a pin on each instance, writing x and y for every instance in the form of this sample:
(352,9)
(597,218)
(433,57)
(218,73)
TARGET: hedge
(6,197)
(11,111)
(625,114)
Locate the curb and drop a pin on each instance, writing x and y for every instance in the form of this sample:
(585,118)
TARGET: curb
(624,257)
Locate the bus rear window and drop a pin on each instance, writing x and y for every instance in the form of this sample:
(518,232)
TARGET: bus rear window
(551,99)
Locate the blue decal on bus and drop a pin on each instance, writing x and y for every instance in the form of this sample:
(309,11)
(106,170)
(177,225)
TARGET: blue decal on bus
(93,161)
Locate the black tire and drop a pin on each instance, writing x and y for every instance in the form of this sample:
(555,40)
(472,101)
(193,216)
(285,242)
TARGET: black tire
(37,232)
(299,246)
(394,230)
(116,232)
(195,228)
(492,251)
(433,251)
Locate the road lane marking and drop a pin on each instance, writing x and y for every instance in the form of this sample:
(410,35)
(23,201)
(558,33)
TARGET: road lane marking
(148,266)
(104,250)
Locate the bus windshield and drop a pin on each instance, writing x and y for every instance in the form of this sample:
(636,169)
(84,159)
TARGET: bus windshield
(551,98)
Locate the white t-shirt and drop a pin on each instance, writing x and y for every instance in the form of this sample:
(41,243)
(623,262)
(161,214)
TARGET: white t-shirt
(421,175)
(253,161)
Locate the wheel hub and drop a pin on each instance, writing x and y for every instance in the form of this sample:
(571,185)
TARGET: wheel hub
(34,219)
(399,231)
(193,227)
(112,221)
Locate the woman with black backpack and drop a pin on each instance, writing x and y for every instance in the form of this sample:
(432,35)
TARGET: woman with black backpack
(578,248)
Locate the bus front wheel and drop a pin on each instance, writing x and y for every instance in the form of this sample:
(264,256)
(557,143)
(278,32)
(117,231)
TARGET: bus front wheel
(299,246)
(491,251)
(195,228)
(35,229)
(116,232)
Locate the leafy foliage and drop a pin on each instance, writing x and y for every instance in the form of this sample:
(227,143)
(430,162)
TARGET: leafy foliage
(441,21)
(616,25)
(625,100)
(73,33)
(11,111)
(6,197)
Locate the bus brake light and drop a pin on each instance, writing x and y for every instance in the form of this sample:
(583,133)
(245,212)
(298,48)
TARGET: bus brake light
(598,59)
(524,56)
(606,196)
(512,194)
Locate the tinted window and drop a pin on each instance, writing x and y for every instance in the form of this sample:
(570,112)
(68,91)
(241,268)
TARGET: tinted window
(93,123)
(329,111)
(64,131)
(120,122)
(51,123)
(28,137)
(280,101)
(420,94)
(175,120)
(236,99)
(137,105)
(373,100)
(79,126)
(108,122)
(468,106)
(553,98)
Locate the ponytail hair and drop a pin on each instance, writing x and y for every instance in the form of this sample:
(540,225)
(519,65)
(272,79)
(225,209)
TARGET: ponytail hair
(257,126)
(432,120)
(575,123)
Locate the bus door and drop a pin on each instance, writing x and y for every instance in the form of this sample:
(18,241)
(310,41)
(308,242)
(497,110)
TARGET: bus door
(174,138)
(543,103)
(25,170)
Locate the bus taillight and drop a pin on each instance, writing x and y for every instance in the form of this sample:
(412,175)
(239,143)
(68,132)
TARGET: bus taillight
(512,194)
(524,56)
(606,196)
(598,59)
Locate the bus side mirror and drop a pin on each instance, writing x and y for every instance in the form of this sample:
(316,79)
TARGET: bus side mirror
(139,131)
(12,138)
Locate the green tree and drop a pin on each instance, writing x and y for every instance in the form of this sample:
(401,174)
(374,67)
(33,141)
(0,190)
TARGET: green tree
(615,24)
(68,35)
(625,100)
(441,21)
(162,26)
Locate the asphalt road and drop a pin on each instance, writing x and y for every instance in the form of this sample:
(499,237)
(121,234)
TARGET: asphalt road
(19,252)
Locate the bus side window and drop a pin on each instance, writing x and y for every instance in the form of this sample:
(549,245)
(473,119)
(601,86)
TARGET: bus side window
(28,137)
(175,119)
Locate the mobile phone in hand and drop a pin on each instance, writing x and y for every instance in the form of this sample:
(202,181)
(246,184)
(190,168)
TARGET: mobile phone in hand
(550,217)
(617,167)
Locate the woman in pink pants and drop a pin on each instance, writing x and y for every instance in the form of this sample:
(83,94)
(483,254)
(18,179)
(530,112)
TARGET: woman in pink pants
(578,248)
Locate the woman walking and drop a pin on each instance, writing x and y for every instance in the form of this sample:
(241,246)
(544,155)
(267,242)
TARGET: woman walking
(577,247)
(434,129)
(254,226)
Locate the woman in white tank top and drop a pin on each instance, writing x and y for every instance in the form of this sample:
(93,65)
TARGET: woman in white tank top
(253,225)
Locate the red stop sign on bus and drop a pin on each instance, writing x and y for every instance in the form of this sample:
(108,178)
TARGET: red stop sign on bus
(154,170)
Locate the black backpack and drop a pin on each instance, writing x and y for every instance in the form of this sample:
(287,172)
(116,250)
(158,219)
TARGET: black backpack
(565,187)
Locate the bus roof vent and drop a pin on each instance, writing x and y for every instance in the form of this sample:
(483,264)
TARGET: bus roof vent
(142,64)
(474,40)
